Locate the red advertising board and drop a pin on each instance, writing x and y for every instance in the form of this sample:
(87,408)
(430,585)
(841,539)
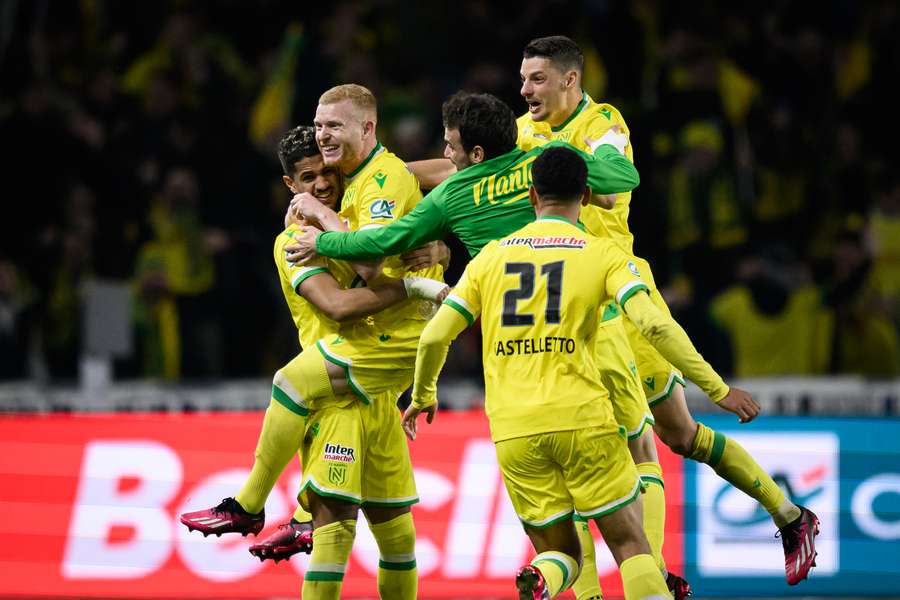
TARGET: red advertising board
(89,508)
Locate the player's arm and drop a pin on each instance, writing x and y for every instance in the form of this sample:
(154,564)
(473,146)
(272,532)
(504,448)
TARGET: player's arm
(434,343)
(425,223)
(340,304)
(609,172)
(667,336)
(431,172)
(308,207)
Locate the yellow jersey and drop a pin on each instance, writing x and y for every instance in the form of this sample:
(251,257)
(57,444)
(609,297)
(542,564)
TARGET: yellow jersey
(538,292)
(378,192)
(312,324)
(590,120)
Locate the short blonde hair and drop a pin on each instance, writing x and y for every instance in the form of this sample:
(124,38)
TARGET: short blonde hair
(361,98)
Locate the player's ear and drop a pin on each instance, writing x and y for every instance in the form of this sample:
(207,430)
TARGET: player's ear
(572,78)
(368,128)
(289,183)
(533,197)
(476,155)
(586,196)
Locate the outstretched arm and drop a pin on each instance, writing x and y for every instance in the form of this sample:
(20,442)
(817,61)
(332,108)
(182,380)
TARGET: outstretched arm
(424,224)
(340,304)
(434,344)
(431,172)
(673,343)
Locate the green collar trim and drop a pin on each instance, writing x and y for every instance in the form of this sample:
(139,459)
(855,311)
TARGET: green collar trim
(378,148)
(575,113)
(578,224)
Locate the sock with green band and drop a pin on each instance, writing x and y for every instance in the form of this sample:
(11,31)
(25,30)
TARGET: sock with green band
(331,551)
(733,464)
(281,436)
(587,585)
(654,508)
(642,579)
(559,570)
(397,574)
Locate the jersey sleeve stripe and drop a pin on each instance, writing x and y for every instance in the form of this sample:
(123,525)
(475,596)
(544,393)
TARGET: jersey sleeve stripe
(628,290)
(305,273)
(371,226)
(461,307)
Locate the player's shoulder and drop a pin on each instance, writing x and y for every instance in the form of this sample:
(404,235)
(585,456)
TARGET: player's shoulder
(285,237)
(523,121)
(604,112)
(388,175)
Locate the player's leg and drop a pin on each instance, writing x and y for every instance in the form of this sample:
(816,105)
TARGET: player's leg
(587,586)
(798,526)
(606,487)
(621,377)
(288,539)
(295,387)
(538,493)
(331,491)
(389,490)
(335,530)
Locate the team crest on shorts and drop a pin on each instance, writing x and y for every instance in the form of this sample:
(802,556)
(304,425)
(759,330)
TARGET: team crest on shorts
(337,474)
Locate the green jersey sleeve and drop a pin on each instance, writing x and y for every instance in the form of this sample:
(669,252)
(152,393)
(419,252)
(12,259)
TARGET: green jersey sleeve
(608,171)
(426,222)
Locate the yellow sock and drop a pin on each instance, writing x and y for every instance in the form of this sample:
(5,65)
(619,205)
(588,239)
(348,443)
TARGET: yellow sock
(397,574)
(733,464)
(559,570)
(642,579)
(331,550)
(281,436)
(654,509)
(587,585)
(301,516)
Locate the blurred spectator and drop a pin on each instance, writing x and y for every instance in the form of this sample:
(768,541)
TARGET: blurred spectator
(775,317)
(149,129)
(16,322)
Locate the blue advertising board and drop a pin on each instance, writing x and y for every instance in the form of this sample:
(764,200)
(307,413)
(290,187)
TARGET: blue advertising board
(845,470)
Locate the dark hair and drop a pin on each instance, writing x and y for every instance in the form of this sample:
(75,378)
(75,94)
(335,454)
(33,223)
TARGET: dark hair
(482,120)
(559,173)
(559,50)
(297,144)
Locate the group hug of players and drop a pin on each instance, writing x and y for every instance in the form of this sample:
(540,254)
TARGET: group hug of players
(582,358)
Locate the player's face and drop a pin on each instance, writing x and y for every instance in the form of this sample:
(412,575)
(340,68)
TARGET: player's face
(544,88)
(453,149)
(340,133)
(312,176)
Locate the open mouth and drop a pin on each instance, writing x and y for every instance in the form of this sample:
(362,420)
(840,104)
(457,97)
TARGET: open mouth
(330,150)
(534,106)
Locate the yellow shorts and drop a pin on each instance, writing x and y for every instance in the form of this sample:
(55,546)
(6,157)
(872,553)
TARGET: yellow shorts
(550,475)
(619,375)
(377,363)
(358,453)
(658,376)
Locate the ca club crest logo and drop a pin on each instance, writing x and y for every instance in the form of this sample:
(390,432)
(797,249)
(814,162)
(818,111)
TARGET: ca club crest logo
(382,209)
(735,534)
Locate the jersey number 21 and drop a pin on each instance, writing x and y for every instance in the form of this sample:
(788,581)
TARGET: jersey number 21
(526,272)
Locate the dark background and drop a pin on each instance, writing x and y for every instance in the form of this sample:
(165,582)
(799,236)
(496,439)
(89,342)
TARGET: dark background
(769,205)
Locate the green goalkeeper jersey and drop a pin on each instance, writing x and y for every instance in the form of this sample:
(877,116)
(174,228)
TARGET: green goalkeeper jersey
(479,204)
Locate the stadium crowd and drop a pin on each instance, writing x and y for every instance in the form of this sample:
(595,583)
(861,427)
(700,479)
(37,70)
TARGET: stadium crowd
(139,143)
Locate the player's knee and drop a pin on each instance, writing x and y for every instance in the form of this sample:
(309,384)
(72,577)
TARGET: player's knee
(679,439)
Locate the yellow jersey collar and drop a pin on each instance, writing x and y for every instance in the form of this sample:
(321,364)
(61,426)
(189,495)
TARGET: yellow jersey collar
(579,224)
(575,113)
(377,149)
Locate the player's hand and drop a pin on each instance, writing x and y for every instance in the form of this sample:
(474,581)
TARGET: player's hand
(410,425)
(303,249)
(740,403)
(305,206)
(432,253)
